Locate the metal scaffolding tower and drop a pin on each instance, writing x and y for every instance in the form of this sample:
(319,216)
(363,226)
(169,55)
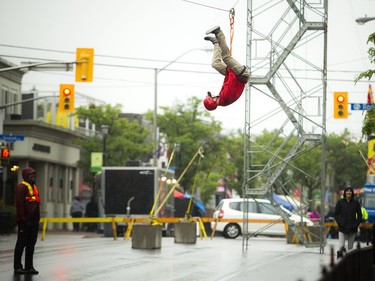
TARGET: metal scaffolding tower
(287,56)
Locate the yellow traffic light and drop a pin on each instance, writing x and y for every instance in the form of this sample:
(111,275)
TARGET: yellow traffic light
(84,64)
(66,99)
(340,105)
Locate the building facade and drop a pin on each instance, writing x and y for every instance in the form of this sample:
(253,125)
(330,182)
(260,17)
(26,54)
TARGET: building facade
(50,149)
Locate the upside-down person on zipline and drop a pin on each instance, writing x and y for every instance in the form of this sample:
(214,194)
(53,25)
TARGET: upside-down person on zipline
(236,74)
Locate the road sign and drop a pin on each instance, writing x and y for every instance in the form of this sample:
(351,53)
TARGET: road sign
(11,138)
(361,106)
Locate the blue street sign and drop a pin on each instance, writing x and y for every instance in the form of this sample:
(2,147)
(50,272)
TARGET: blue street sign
(11,138)
(361,106)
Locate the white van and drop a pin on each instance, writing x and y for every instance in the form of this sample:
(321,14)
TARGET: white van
(260,209)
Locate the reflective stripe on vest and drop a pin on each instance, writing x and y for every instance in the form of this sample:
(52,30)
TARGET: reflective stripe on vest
(33,192)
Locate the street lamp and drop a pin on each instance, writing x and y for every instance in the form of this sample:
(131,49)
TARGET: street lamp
(155,121)
(364,19)
(105,129)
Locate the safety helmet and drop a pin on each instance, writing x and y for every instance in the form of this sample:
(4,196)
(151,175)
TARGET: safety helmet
(209,103)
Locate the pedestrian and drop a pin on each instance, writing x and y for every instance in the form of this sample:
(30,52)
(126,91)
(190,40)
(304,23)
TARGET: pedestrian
(348,216)
(364,214)
(236,74)
(27,217)
(76,211)
(364,233)
(92,211)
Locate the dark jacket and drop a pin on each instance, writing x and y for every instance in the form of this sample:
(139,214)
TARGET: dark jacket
(26,211)
(348,215)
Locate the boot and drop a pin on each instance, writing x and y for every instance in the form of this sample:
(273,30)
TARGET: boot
(213,30)
(212,39)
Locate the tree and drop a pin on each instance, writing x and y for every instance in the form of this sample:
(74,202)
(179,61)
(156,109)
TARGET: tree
(125,141)
(348,163)
(269,144)
(183,125)
(371,52)
(344,158)
(233,149)
(368,126)
(308,168)
(190,127)
(344,164)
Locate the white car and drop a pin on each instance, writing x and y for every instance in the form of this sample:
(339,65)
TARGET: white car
(261,209)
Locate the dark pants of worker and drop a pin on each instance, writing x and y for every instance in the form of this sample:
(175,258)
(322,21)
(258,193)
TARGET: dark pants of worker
(26,238)
(76,224)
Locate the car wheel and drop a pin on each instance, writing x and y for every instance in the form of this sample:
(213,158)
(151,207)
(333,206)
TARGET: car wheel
(232,231)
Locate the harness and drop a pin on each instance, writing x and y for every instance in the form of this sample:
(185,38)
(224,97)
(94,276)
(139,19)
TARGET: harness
(33,195)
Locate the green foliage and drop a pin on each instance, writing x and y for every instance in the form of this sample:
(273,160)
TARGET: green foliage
(100,115)
(233,151)
(371,52)
(223,157)
(268,144)
(307,168)
(189,126)
(368,126)
(182,124)
(209,183)
(345,162)
(348,160)
(125,140)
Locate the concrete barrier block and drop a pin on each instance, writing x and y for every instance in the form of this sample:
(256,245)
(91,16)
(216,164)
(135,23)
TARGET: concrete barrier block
(185,232)
(146,236)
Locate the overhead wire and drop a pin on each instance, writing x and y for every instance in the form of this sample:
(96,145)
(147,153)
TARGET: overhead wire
(207,6)
(73,53)
(147,60)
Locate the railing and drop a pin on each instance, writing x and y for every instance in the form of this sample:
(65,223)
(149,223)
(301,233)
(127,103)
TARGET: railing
(115,220)
(356,265)
(131,220)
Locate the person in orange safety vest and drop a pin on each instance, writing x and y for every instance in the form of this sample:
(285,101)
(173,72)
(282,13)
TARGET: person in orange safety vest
(28,216)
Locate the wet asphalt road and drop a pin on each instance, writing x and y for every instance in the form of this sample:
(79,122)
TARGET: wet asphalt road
(85,256)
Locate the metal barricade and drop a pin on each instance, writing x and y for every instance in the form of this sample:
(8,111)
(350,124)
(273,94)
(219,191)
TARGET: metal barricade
(356,265)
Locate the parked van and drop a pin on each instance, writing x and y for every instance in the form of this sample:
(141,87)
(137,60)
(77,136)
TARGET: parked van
(260,209)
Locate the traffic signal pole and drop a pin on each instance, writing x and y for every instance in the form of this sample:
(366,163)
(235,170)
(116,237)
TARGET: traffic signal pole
(85,62)
(5,178)
(46,66)
(39,66)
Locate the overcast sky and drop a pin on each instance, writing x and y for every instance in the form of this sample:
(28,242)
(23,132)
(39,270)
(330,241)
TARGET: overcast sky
(132,38)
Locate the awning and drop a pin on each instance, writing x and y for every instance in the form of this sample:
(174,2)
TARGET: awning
(179,195)
(281,201)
